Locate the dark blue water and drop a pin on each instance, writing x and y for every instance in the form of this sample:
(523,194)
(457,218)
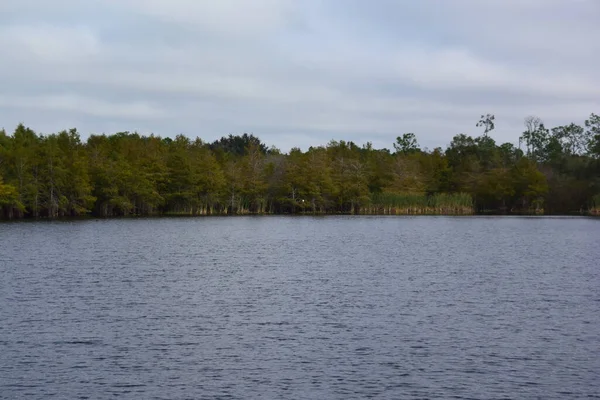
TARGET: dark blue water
(301,308)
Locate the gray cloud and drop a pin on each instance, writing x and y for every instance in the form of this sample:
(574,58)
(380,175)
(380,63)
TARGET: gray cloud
(298,73)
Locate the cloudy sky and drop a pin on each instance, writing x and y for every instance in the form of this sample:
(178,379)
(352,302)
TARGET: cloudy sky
(298,73)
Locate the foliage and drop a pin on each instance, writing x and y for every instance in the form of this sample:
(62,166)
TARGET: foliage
(593,134)
(407,143)
(487,122)
(238,144)
(125,173)
(10,206)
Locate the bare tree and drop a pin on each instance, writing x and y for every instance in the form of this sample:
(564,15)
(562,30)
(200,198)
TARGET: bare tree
(532,124)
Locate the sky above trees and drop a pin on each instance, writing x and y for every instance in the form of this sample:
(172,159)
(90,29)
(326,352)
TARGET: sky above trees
(298,73)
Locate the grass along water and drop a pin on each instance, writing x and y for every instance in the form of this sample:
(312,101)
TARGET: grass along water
(420,204)
(595,205)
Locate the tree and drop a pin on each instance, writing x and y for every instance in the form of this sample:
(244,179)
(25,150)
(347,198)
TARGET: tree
(487,152)
(509,154)
(238,145)
(407,143)
(592,125)
(10,206)
(254,186)
(463,160)
(572,139)
(487,121)
(208,179)
(530,185)
(349,175)
(321,189)
(532,124)
(535,137)
(495,189)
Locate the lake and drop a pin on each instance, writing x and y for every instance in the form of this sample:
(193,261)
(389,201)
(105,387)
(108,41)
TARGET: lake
(301,308)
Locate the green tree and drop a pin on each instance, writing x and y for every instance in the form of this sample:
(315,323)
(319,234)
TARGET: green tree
(349,176)
(530,185)
(253,178)
(238,145)
(407,143)
(487,122)
(571,138)
(592,125)
(24,170)
(208,179)
(10,205)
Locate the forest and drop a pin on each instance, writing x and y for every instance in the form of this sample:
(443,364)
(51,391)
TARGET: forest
(550,171)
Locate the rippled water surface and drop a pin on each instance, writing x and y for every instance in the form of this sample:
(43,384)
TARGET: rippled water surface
(301,308)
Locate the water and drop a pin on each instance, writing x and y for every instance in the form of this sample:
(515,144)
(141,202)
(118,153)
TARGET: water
(301,308)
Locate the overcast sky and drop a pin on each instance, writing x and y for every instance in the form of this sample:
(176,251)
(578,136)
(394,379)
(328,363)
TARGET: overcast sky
(298,72)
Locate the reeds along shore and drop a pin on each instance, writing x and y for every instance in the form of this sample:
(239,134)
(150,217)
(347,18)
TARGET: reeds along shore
(595,206)
(380,204)
(419,204)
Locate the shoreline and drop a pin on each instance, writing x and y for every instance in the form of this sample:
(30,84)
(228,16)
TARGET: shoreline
(294,215)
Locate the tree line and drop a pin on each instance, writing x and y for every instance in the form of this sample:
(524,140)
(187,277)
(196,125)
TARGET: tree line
(550,171)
